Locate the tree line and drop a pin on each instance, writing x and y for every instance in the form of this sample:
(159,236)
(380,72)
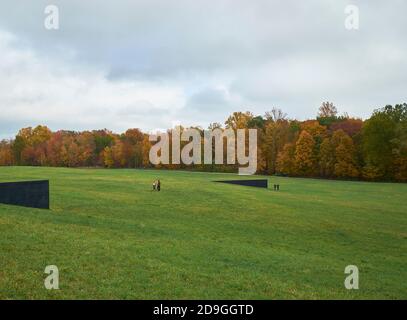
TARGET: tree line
(329,146)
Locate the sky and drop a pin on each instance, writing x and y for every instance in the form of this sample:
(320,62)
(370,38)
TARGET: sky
(154,64)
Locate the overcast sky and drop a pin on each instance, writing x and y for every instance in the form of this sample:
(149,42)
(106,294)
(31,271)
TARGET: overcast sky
(156,63)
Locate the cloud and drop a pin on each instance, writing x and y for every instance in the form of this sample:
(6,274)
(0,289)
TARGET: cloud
(152,63)
(53,92)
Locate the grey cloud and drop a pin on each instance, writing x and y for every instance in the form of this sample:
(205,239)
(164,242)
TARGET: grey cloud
(208,99)
(290,54)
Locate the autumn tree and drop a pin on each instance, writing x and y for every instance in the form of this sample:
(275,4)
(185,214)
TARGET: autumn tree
(330,146)
(304,155)
(286,160)
(238,120)
(273,132)
(350,126)
(103,138)
(113,155)
(17,147)
(6,153)
(30,146)
(54,149)
(146,146)
(345,162)
(327,158)
(132,148)
(276,135)
(86,143)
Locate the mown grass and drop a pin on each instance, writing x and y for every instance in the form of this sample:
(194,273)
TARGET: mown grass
(112,238)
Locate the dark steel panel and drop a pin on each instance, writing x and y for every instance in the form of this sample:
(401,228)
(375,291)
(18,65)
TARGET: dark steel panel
(34,194)
(259,183)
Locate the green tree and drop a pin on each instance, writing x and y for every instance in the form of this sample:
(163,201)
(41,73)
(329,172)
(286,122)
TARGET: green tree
(380,136)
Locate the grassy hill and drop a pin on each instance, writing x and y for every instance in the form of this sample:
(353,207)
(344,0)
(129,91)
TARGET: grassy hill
(111,237)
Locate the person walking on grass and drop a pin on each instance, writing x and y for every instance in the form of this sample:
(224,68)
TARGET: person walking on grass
(156,185)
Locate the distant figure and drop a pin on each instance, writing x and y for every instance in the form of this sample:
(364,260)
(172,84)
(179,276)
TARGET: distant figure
(275,187)
(158,185)
(278,187)
(154,185)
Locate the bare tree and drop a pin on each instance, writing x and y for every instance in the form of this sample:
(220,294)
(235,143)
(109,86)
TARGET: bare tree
(214,125)
(327,110)
(275,115)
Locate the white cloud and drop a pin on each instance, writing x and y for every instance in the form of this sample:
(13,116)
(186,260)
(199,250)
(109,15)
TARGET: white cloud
(36,90)
(152,63)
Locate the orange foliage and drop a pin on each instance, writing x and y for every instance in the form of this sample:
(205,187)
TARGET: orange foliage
(332,146)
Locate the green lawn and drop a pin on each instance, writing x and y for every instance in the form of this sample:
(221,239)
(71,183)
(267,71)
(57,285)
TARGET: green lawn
(113,238)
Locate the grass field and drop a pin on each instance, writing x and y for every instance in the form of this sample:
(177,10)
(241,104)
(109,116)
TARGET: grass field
(111,237)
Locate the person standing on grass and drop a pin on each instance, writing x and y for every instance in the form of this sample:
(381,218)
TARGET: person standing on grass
(154,185)
(158,185)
